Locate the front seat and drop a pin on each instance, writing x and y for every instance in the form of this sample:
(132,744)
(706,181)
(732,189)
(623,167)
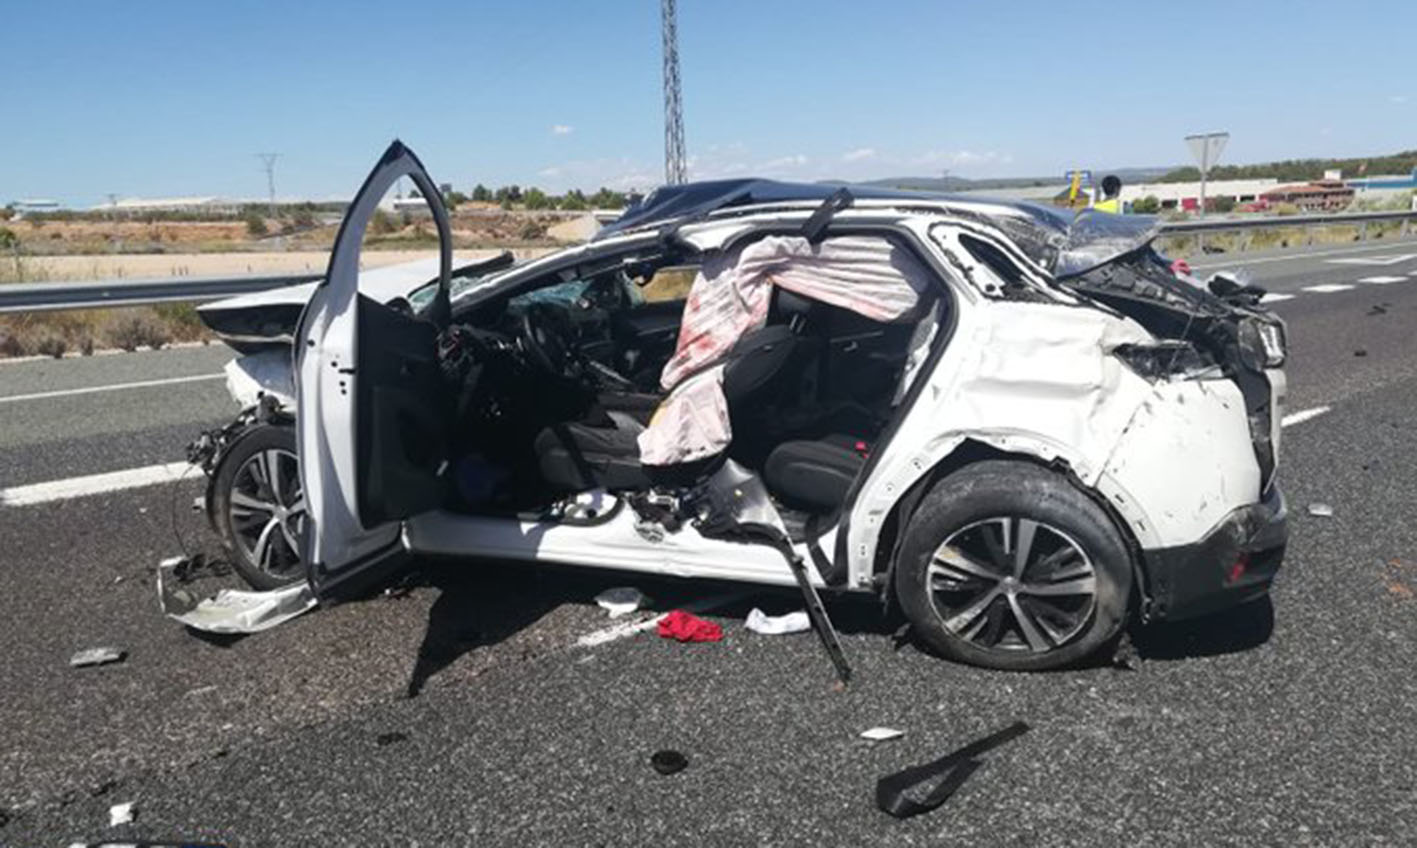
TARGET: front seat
(815,476)
(604,452)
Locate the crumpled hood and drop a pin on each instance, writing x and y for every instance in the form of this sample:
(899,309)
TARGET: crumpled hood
(1070,243)
(251,321)
(383,284)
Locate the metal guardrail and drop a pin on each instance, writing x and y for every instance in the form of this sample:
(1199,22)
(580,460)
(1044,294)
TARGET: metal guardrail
(34,297)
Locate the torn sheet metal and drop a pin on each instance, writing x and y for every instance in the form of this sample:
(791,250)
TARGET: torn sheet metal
(269,372)
(231,610)
(97,656)
(730,296)
(1021,377)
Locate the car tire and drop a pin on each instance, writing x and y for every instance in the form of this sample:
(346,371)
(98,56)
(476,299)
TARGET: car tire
(969,595)
(259,525)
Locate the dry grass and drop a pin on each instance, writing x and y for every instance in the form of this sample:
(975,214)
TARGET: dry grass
(84,330)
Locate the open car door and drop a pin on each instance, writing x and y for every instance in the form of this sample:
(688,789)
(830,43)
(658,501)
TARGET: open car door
(370,419)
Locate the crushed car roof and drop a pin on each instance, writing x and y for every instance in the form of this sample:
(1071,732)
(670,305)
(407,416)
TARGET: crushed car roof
(1060,240)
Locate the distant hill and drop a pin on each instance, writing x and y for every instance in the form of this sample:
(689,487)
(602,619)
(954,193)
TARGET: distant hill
(1302,170)
(1128,175)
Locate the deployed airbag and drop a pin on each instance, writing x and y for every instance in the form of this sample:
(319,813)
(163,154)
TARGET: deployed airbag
(865,274)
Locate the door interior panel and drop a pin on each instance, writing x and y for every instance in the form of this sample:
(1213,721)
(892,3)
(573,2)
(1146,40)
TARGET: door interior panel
(402,437)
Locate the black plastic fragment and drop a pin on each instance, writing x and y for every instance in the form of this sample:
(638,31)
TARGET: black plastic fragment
(910,792)
(816,227)
(668,761)
(901,637)
(390,738)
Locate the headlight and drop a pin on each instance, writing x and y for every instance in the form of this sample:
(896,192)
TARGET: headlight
(1262,344)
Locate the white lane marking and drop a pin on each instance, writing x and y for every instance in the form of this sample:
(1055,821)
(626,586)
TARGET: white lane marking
(621,631)
(1382,281)
(93,484)
(1275,298)
(141,384)
(1290,257)
(1302,415)
(1328,288)
(1372,260)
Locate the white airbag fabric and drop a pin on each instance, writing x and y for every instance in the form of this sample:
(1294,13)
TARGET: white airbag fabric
(730,296)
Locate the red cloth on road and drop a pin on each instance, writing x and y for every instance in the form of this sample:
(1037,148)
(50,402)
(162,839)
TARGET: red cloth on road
(689,628)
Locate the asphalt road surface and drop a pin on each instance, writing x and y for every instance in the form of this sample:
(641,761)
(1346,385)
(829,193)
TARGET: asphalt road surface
(460,709)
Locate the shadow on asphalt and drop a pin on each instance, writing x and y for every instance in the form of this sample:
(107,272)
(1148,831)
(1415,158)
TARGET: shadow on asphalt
(1229,632)
(483,603)
(478,605)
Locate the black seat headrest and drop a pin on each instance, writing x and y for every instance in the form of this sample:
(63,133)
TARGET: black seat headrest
(755,359)
(786,304)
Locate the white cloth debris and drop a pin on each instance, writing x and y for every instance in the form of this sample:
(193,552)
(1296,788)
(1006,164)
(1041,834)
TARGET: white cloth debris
(96,656)
(1322,510)
(621,600)
(777,625)
(730,296)
(121,814)
(881,734)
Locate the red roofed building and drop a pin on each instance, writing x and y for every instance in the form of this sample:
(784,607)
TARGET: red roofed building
(1317,196)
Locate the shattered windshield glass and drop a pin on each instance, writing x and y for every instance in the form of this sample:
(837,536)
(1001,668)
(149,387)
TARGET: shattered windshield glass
(1096,238)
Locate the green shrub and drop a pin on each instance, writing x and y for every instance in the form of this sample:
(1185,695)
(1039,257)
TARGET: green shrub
(256,225)
(11,345)
(51,345)
(134,331)
(382,223)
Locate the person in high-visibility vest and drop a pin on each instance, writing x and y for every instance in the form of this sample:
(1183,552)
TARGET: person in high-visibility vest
(1111,200)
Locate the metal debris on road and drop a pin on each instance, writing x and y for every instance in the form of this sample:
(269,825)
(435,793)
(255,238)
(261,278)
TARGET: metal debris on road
(881,734)
(230,610)
(920,789)
(777,625)
(97,656)
(668,761)
(1321,510)
(621,600)
(121,814)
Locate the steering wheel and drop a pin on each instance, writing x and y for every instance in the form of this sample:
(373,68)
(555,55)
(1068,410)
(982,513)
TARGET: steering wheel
(546,337)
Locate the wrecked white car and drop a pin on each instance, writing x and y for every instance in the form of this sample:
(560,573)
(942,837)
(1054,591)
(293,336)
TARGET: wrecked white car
(1016,424)
(253,498)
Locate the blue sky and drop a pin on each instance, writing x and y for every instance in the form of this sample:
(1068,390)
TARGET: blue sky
(156,98)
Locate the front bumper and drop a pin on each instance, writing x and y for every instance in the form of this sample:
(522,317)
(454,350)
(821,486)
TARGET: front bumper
(1234,563)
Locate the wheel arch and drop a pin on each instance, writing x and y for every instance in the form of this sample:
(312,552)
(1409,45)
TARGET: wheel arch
(972,451)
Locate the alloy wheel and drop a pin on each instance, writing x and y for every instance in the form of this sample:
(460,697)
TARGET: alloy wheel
(267,510)
(1012,584)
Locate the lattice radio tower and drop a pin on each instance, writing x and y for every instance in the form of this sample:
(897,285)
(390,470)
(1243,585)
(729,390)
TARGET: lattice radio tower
(674,165)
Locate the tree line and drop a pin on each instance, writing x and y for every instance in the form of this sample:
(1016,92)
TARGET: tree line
(1301,170)
(531,197)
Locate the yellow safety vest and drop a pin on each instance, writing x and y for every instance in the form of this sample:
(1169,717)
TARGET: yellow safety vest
(1111,204)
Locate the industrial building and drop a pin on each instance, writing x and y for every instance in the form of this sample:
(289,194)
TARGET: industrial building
(1186,196)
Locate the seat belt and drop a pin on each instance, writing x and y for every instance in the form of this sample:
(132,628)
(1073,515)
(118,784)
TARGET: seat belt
(813,538)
